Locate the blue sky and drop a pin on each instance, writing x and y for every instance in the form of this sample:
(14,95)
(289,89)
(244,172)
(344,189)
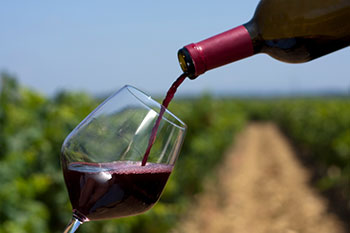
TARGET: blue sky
(99,46)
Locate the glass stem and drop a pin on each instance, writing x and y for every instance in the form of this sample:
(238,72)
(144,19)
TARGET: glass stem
(73,225)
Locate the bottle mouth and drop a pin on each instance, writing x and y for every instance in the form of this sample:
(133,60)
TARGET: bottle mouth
(182,61)
(186,63)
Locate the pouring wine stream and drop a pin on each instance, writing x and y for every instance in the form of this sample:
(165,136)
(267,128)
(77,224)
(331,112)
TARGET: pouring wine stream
(169,96)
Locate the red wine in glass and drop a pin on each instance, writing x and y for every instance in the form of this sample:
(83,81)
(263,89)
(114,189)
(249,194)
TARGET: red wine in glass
(112,190)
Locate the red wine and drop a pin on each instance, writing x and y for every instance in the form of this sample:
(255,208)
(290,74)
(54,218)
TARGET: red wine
(169,96)
(113,190)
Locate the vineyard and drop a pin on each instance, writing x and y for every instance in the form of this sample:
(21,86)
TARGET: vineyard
(33,197)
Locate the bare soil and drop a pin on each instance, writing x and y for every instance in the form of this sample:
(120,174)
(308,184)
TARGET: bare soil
(261,187)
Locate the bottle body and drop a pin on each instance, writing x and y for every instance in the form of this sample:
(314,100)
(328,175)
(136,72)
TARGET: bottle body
(292,31)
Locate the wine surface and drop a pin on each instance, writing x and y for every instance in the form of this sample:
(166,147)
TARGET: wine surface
(112,190)
(169,96)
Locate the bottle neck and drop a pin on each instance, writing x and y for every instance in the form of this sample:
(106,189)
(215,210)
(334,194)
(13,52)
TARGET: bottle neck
(257,41)
(232,45)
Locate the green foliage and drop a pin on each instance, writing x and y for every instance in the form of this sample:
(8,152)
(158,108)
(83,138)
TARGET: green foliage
(32,129)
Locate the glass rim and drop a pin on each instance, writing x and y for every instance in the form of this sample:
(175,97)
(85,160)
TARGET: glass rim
(131,89)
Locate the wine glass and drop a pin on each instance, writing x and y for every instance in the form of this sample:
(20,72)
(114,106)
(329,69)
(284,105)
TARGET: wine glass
(101,158)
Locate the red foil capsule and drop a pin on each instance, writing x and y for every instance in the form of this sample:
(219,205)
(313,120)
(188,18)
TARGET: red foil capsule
(224,48)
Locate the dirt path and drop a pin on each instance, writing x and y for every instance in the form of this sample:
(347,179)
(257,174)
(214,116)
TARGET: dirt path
(261,188)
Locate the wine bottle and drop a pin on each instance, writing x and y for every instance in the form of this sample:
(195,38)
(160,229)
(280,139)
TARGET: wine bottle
(293,31)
